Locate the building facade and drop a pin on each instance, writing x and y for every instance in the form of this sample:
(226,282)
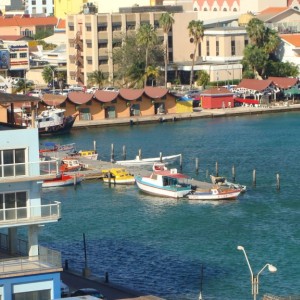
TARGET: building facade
(43,7)
(29,271)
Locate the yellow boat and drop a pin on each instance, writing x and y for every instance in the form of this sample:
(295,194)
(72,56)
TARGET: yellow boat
(117,176)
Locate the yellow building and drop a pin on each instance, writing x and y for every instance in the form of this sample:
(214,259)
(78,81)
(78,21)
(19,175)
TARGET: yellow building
(62,8)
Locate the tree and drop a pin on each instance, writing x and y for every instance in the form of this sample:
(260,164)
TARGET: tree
(196,31)
(153,73)
(166,21)
(96,77)
(146,37)
(24,85)
(256,31)
(202,78)
(48,74)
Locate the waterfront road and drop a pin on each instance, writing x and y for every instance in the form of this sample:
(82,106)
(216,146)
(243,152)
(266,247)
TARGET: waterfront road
(109,290)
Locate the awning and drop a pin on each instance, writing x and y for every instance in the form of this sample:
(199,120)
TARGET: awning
(247,101)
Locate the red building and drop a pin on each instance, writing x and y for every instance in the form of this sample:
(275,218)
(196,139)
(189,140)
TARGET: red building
(217,98)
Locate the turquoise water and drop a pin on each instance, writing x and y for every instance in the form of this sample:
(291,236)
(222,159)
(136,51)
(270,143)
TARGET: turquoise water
(159,245)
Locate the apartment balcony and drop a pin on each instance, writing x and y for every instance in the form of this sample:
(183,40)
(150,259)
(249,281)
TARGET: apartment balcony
(30,214)
(48,261)
(30,171)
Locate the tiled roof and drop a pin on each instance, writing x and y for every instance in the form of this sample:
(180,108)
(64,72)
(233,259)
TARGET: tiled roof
(105,96)
(53,100)
(254,84)
(27,21)
(293,39)
(216,91)
(79,97)
(11,37)
(61,24)
(273,10)
(284,82)
(12,98)
(218,2)
(155,92)
(131,94)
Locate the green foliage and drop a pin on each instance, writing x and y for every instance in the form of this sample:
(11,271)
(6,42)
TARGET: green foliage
(202,78)
(285,69)
(96,78)
(41,34)
(24,86)
(48,73)
(45,45)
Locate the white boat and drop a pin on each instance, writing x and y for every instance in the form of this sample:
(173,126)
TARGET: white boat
(214,194)
(164,183)
(89,154)
(148,161)
(52,121)
(70,164)
(223,182)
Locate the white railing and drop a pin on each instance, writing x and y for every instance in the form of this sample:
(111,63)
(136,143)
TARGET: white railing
(29,169)
(29,214)
(47,259)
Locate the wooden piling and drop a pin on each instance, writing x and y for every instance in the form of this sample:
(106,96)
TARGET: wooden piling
(95,145)
(109,179)
(140,154)
(112,153)
(233,173)
(254,178)
(217,169)
(197,165)
(278,181)
(160,156)
(206,173)
(124,152)
(75,181)
(180,161)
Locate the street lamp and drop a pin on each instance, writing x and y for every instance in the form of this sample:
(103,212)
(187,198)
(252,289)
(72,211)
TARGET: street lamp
(53,74)
(254,278)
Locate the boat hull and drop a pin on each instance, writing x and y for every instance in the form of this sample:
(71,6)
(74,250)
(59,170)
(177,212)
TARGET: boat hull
(164,191)
(64,180)
(230,195)
(58,129)
(119,181)
(148,161)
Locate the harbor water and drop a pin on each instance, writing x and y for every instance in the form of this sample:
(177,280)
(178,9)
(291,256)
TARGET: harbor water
(159,245)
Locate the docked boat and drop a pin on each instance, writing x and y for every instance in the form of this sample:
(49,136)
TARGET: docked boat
(118,176)
(89,154)
(164,183)
(62,180)
(214,194)
(148,161)
(70,164)
(52,121)
(54,147)
(223,182)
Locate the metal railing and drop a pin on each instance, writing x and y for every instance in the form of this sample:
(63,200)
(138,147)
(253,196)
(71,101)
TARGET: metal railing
(28,169)
(47,259)
(29,214)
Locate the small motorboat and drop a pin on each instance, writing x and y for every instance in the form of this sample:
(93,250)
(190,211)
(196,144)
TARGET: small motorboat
(214,194)
(70,164)
(89,154)
(117,176)
(138,161)
(54,147)
(62,180)
(164,183)
(223,182)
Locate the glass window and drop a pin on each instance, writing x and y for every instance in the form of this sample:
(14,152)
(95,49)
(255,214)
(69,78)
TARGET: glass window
(232,48)
(33,295)
(12,162)
(13,205)
(207,48)
(217,48)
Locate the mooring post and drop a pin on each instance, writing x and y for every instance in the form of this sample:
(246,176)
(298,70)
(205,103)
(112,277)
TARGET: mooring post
(106,277)
(233,173)
(206,173)
(254,178)
(140,154)
(109,179)
(217,169)
(197,165)
(160,156)
(278,181)
(112,153)
(124,152)
(95,145)
(75,181)
(180,161)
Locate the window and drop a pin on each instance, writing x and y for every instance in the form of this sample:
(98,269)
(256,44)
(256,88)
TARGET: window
(23,55)
(103,61)
(33,295)
(207,48)
(217,48)
(116,26)
(12,162)
(33,2)
(246,43)
(71,27)
(13,206)
(13,55)
(88,28)
(102,45)
(232,48)
(102,28)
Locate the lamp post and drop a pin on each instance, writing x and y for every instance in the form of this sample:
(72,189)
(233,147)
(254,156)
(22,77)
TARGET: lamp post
(53,74)
(255,278)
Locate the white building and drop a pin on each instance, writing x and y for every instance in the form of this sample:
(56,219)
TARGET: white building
(44,7)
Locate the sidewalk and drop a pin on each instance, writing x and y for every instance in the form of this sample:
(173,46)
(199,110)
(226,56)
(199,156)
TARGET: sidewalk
(196,114)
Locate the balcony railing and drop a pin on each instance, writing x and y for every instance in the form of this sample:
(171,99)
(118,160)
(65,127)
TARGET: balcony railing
(30,214)
(29,171)
(47,261)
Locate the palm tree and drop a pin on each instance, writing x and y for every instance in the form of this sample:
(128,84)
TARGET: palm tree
(166,21)
(96,77)
(48,74)
(152,72)
(24,85)
(196,31)
(256,31)
(146,37)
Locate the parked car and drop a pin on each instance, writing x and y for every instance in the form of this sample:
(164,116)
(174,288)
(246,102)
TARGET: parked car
(65,290)
(111,89)
(92,90)
(88,291)
(75,87)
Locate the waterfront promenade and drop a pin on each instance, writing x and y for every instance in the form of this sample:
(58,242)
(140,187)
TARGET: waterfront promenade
(196,114)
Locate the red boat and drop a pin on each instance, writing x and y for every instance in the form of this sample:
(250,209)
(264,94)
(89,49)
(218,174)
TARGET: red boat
(62,180)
